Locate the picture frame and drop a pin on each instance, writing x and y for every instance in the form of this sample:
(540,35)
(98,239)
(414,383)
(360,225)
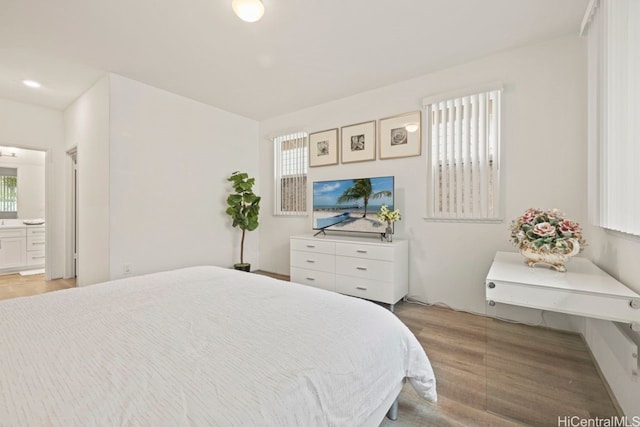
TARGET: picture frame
(397,139)
(323,148)
(358,142)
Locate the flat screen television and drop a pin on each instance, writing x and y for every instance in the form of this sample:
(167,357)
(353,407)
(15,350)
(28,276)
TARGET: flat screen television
(351,204)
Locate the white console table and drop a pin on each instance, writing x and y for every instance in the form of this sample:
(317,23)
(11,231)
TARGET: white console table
(584,290)
(360,267)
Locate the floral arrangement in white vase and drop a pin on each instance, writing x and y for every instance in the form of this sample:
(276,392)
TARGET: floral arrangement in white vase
(547,237)
(385,215)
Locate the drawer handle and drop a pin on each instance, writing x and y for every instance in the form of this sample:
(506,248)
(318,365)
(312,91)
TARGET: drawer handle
(362,288)
(36,231)
(492,285)
(311,246)
(311,278)
(37,243)
(362,268)
(310,261)
(361,251)
(37,257)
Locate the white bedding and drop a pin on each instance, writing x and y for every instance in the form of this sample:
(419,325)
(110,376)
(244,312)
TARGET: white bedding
(201,346)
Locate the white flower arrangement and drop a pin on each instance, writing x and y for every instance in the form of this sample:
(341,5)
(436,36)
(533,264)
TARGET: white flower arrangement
(385,215)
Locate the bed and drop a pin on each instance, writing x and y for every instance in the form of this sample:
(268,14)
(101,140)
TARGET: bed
(203,346)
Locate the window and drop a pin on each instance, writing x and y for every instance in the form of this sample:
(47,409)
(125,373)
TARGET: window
(614,106)
(291,163)
(8,193)
(464,159)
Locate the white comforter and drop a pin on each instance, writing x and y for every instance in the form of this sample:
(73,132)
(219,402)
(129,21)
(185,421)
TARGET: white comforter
(201,346)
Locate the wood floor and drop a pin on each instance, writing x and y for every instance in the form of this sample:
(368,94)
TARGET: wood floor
(488,372)
(495,373)
(14,285)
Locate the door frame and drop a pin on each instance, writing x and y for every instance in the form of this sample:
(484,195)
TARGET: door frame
(71,218)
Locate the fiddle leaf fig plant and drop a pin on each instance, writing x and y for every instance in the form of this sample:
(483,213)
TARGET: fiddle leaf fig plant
(243,208)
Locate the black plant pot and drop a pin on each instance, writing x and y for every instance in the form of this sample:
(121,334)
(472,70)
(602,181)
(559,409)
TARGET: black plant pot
(243,267)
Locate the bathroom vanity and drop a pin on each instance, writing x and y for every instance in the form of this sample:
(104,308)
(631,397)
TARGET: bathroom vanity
(22,247)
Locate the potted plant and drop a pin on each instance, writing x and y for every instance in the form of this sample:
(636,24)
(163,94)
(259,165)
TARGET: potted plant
(243,208)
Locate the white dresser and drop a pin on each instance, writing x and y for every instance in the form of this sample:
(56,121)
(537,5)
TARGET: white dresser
(361,267)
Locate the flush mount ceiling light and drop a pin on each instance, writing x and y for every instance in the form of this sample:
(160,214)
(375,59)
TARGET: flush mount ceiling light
(31,83)
(248,10)
(411,127)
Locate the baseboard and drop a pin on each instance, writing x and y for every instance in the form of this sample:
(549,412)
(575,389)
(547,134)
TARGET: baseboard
(278,276)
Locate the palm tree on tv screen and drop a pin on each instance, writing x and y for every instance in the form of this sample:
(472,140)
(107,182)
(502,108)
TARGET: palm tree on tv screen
(361,189)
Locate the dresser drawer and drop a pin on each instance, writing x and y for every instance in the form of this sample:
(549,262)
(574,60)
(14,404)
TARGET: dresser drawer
(365,268)
(313,261)
(37,238)
(35,258)
(35,231)
(365,288)
(12,232)
(34,246)
(311,245)
(317,279)
(380,252)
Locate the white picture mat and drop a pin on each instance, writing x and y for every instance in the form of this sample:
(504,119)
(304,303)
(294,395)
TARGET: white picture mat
(368,130)
(413,144)
(315,157)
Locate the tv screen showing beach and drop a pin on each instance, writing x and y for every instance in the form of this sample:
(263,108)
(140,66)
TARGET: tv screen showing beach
(351,204)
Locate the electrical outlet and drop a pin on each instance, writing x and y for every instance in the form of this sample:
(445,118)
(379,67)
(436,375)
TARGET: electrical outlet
(126,269)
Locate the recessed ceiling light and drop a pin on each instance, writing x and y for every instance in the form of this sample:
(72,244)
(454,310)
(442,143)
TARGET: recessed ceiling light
(248,10)
(31,83)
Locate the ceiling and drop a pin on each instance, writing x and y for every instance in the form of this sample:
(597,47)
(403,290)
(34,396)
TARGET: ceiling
(302,53)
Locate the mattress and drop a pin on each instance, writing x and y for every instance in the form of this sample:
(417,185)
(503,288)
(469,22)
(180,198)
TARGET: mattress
(202,346)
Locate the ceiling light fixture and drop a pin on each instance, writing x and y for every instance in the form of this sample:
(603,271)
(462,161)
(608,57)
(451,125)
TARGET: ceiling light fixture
(411,127)
(248,10)
(31,83)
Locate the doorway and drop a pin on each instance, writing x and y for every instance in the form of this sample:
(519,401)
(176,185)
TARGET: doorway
(23,192)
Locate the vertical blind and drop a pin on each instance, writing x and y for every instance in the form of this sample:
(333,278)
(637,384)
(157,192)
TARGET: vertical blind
(614,107)
(464,158)
(291,163)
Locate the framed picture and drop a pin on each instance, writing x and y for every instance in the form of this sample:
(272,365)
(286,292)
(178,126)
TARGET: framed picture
(401,136)
(323,148)
(359,142)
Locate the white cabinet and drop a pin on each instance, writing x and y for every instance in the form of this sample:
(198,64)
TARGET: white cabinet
(21,247)
(360,267)
(35,246)
(12,248)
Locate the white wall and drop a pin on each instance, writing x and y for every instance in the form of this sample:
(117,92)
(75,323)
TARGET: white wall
(618,254)
(544,163)
(38,128)
(31,189)
(87,128)
(170,157)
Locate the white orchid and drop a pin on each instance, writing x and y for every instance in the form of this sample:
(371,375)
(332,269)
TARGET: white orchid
(385,215)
